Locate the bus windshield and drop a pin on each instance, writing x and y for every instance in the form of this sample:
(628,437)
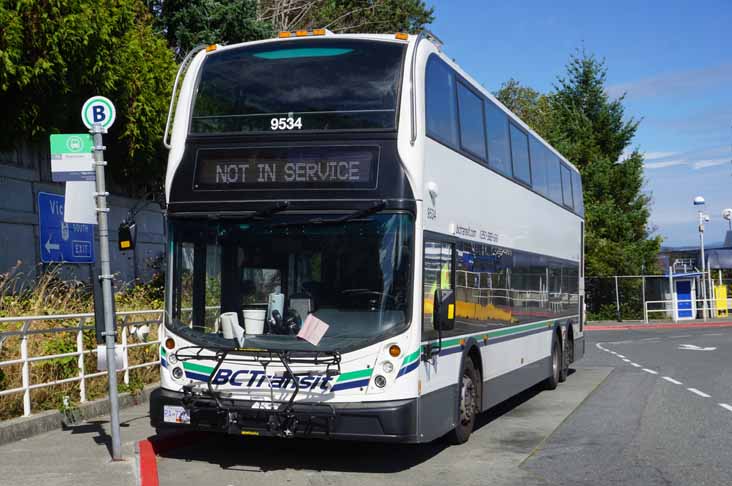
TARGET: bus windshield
(301,85)
(352,274)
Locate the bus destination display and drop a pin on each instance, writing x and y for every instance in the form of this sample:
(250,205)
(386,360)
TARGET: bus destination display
(287,167)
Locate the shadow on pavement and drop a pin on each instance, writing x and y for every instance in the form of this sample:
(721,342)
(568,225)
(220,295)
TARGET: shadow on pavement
(272,454)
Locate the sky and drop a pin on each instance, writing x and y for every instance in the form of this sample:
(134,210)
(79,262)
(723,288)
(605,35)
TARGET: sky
(672,59)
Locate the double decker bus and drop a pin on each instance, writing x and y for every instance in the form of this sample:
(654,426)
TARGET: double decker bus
(363,244)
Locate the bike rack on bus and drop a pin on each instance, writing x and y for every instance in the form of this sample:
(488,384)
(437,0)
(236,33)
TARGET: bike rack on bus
(281,417)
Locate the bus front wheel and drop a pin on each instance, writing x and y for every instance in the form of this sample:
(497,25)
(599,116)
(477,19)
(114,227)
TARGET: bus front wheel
(468,403)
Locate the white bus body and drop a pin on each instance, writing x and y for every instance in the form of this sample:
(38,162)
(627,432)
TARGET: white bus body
(498,263)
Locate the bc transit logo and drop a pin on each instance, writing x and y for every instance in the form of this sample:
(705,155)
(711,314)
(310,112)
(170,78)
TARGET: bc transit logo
(258,379)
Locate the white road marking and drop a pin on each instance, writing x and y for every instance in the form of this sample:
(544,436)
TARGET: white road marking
(681,336)
(620,356)
(671,380)
(626,360)
(650,371)
(636,365)
(724,405)
(698,392)
(694,347)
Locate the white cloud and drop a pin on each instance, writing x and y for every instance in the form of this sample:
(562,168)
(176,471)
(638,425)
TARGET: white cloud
(657,155)
(674,83)
(664,164)
(701,164)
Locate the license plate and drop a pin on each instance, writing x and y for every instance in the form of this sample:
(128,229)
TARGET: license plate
(265,405)
(175,414)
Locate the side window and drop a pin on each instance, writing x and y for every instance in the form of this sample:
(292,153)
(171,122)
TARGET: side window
(539,155)
(437,274)
(554,178)
(577,193)
(472,128)
(567,186)
(520,154)
(440,102)
(499,154)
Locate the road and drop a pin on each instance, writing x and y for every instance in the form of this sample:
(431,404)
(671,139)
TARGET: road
(663,416)
(643,407)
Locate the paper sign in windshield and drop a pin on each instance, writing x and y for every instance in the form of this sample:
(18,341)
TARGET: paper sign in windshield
(313,330)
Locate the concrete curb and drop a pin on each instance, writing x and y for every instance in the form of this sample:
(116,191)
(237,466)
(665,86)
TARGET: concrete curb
(23,427)
(630,327)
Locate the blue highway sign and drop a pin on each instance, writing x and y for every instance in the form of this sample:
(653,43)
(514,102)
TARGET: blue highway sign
(62,242)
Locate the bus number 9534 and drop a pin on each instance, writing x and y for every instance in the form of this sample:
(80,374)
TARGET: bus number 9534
(283,123)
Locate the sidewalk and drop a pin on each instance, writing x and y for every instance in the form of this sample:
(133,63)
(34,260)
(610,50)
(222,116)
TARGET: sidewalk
(78,455)
(626,325)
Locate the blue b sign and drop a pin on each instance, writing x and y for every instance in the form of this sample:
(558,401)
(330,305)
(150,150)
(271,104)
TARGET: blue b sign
(62,242)
(98,109)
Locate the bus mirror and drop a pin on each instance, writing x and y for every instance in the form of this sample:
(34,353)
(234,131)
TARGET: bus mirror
(444,310)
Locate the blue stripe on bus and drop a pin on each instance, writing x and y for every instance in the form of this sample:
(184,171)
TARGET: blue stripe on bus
(410,367)
(163,363)
(196,376)
(350,384)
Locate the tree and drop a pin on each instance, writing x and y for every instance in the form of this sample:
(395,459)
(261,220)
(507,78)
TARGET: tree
(580,120)
(187,23)
(54,55)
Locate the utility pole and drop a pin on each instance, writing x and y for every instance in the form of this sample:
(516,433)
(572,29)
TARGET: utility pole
(699,201)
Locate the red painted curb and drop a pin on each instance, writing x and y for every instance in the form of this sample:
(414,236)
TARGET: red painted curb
(148,450)
(148,463)
(627,327)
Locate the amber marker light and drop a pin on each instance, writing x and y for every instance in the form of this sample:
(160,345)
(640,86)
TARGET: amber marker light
(284,35)
(169,343)
(401,36)
(318,31)
(211,47)
(301,33)
(394,351)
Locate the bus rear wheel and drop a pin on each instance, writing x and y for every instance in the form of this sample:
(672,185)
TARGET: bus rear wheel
(468,403)
(552,382)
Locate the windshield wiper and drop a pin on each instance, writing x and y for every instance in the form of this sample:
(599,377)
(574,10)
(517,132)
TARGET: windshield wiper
(361,213)
(267,212)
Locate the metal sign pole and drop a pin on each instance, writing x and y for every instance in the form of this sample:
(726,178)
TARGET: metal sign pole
(106,279)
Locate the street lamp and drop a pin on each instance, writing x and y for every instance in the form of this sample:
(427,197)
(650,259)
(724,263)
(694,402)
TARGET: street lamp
(699,201)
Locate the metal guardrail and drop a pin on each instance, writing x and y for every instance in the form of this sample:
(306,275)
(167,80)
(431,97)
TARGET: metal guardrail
(707,308)
(124,322)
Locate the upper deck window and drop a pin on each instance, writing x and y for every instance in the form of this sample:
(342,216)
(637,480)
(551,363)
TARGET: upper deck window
(440,102)
(300,85)
(499,150)
(520,154)
(472,129)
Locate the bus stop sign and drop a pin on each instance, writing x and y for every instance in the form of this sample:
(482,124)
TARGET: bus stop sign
(98,109)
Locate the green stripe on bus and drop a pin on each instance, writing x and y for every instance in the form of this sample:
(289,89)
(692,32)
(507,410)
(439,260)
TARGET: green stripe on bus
(197,367)
(352,375)
(412,357)
(162,352)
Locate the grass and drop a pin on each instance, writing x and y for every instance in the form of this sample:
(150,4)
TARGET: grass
(48,294)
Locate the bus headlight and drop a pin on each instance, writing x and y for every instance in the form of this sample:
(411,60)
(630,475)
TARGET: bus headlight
(172,358)
(177,373)
(387,366)
(380,381)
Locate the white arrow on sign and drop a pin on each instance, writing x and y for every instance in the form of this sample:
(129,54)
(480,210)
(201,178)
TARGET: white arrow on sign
(51,246)
(693,347)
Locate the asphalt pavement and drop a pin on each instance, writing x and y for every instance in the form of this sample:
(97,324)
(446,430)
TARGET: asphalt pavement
(643,407)
(663,416)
